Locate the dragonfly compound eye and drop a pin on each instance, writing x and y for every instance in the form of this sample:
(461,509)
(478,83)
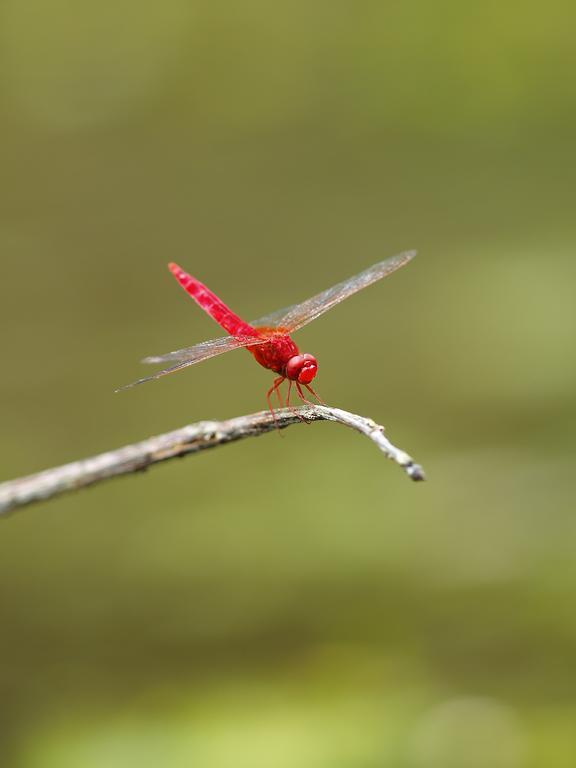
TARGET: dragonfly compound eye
(309,369)
(303,368)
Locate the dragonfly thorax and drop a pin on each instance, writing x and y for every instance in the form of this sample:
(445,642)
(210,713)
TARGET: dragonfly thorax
(302,368)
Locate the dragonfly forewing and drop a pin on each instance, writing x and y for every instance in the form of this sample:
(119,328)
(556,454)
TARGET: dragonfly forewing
(294,317)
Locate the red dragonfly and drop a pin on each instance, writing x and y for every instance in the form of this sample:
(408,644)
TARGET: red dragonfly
(268,338)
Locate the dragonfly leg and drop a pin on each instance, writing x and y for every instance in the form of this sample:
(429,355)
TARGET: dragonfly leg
(309,388)
(278,394)
(301,394)
(304,399)
(274,388)
(294,411)
(288,395)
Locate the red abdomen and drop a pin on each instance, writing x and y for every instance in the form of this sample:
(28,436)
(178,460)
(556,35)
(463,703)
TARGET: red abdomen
(211,304)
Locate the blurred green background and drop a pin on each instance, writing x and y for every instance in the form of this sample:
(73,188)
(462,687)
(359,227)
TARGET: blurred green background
(297,601)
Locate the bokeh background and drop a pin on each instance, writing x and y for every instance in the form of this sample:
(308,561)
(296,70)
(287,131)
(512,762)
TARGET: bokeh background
(297,601)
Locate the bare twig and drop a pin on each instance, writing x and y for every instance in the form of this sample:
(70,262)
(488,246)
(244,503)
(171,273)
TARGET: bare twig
(189,439)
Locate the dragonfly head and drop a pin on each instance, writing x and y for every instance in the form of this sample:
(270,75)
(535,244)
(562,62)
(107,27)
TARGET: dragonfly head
(302,368)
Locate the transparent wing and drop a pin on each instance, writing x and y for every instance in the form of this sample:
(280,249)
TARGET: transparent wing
(294,317)
(205,349)
(196,354)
